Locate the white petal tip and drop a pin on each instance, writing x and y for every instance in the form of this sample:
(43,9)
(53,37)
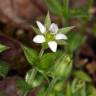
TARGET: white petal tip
(53,46)
(61,36)
(39,39)
(41,27)
(53,28)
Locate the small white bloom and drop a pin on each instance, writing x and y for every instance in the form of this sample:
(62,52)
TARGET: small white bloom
(50,36)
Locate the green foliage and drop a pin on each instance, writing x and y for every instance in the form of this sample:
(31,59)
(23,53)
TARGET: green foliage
(47,61)
(79,88)
(56,67)
(74,41)
(54,6)
(62,67)
(58,87)
(69,90)
(41,92)
(30,54)
(82,76)
(4,68)
(47,21)
(23,87)
(92,90)
(79,13)
(34,78)
(61,8)
(3,48)
(66,8)
(36,30)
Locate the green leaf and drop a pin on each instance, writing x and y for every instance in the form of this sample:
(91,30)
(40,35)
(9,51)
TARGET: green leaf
(30,54)
(34,78)
(47,21)
(3,48)
(66,29)
(24,88)
(36,30)
(47,61)
(82,76)
(4,68)
(54,6)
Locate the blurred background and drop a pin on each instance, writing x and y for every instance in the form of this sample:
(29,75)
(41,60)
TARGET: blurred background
(16,20)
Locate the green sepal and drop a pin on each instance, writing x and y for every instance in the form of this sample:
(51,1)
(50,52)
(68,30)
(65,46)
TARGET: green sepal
(62,67)
(65,30)
(47,21)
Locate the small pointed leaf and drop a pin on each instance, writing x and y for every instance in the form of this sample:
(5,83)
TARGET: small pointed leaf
(30,54)
(47,21)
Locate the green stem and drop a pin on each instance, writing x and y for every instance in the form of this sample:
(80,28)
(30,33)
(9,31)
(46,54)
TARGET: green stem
(66,7)
(50,87)
(41,52)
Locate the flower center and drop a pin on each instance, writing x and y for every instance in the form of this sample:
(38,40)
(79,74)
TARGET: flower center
(49,36)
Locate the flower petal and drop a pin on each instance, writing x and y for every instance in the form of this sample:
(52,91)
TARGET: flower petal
(60,36)
(53,28)
(41,27)
(52,45)
(39,39)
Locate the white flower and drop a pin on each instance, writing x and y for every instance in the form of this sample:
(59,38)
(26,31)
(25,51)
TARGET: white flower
(49,36)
